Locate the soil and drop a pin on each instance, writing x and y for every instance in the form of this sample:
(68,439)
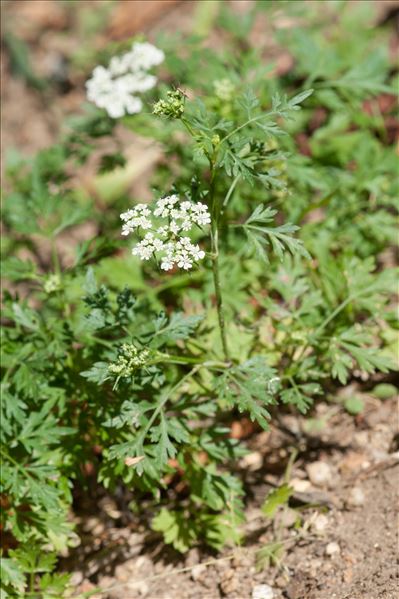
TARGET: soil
(345,469)
(345,547)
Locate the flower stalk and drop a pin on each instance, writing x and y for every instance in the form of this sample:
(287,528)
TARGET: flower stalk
(219,303)
(215,212)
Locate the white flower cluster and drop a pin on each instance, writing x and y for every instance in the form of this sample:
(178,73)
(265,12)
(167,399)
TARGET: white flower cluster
(172,248)
(112,88)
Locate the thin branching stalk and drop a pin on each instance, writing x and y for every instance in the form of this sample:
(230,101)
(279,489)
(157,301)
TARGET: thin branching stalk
(215,263)
(215,210)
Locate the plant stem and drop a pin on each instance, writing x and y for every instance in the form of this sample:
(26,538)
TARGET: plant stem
(189,360)
(215,210)
(331,317)
(215,214)
(219,304)
(163,401)
(231,191)
(259,117)
(31,582)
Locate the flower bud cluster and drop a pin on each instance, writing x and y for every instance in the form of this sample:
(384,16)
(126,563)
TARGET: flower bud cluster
(172,107)
(52,283)
(168,241)
(129,359)
(113,88)
(224,89)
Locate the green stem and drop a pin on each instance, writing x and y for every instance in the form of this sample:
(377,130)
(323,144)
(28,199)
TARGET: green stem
(231,190)
(168,395)
(249,122)
(177,281)
(14,462)
(215,264)
(215,217)
(32,582)
(219,305)
(329,318)
(165,399)
(188,127)
(55,257)
(170,358)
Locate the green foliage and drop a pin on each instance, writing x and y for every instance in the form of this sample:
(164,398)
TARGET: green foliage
(354,405)
(276,498)
(250,387)
(280,238)
(151,368)
(269,555)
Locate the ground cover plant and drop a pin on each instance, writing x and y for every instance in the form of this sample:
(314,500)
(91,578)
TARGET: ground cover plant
(254,280)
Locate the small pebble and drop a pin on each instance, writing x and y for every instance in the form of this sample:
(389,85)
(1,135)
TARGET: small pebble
(356,497)
(262,591)
(193,557)
(319,473)
(229,582)
(289,517)
(240,560)
(197,572)
(347,576)
(252,461)
(98,529)
(300,485)
(143,588)
(90,524)
(314,568)
(333,549)
(134,538)
(121,573)
(320,523)
(280,582)
(76,578)
(143,564)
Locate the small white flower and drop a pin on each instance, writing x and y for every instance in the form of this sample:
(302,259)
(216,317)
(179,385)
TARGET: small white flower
(144,223)
(143,56)
(202,219)
(119,65)
(158,244)
(164,206)
(174,227)
(167,263)
(126,229)
(199,207)
(163,240)
(185,206)
(137,83)
(184,262)
(184,243)
(163,231)
(197,253)
(142,209)
(186,225)
(127,215)
(112,88)
(143,251)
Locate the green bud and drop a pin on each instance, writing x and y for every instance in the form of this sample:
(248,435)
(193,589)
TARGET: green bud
(172,107)
(216,140)
(129,359)
(224,89)
(53,283)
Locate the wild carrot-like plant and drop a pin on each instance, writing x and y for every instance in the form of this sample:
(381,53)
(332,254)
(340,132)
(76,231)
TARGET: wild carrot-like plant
(254,285)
